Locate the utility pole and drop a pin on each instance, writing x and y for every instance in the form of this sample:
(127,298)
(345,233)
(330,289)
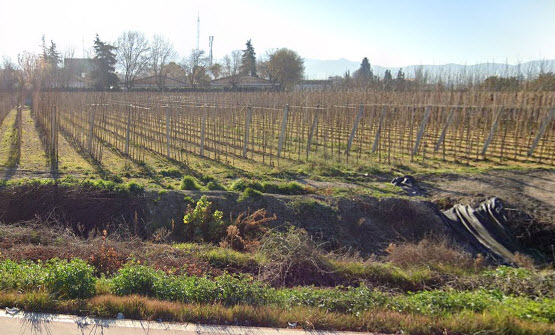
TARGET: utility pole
(210,43)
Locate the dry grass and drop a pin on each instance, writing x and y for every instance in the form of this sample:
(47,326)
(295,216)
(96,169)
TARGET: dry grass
(136,307)
(431,252)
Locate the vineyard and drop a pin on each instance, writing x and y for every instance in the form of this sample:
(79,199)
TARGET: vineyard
(285,129)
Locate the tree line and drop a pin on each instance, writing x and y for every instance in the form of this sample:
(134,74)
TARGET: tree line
(132,56)
(117,65)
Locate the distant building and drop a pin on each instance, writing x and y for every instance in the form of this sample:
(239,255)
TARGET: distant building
(243,82)
(79,82)
(151,83)
(78,72)
(80,67)
(314,85)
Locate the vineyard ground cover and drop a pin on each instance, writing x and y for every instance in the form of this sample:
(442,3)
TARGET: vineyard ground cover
(5,137)
(156,171)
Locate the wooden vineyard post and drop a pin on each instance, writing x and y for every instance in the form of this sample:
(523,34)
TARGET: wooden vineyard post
(421,131)
(203,131)
(91,132)
(127,132)
(312,131)
(247,129)
(168,130)
(354,130)
(444,130)
(543,127)
(283,130)
(53,140)
(378,131)
(492,131)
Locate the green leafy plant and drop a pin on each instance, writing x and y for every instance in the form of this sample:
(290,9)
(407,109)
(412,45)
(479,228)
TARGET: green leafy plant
(200,223)
(71,280)
(189,183)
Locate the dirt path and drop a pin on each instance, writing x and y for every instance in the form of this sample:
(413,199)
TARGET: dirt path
(5,137)
(32,152)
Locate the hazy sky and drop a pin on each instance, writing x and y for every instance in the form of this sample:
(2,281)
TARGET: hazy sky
(390,33)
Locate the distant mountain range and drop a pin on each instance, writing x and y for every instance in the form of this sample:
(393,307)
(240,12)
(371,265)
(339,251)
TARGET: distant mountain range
(323,69)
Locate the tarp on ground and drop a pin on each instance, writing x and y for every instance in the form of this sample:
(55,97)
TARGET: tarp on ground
(484,228)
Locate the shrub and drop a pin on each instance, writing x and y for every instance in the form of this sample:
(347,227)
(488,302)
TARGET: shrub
(71,280)
(242,184)
(293,258)
(189,183)
(23,276)
(106,259)
(171,172)
(246,231)
(200,224)
(215,185)
(135,279)
(249,193)
(135,188)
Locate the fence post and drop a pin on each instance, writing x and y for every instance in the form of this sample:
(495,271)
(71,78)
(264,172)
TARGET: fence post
(354,130)
(543,127)
(168,129)
(312,130)
(202,131)
(247,130)
(127,132)
(91,130)
(283,130)
(492,130)
(421,130)
(377,137)
(53,140)
(444,130)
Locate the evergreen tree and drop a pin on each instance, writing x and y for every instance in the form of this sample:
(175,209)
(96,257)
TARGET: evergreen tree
(248,60)
(364,73)
(387,76)
(53,56)
(400,74)
(105,65)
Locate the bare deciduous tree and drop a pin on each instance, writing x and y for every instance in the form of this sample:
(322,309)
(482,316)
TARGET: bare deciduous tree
(162,52)
(133,54)
(195,69)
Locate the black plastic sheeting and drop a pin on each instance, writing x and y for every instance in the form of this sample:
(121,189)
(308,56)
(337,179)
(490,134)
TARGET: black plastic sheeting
(408,183)
(483,228)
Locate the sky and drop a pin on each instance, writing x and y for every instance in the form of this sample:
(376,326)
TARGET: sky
(389,33)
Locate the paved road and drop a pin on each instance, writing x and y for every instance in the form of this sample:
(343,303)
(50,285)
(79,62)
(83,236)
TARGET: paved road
(25,323)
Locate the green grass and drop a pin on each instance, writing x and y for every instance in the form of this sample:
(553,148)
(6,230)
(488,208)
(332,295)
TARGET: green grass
(227,294)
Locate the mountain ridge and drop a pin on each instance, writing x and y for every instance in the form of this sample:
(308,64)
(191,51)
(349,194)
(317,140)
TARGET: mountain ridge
(325,68)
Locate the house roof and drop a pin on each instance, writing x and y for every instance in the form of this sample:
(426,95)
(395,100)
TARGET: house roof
(315,82)
(242,81)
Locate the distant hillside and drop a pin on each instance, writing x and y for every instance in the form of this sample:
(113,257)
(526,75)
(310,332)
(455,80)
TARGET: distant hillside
(322,69)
